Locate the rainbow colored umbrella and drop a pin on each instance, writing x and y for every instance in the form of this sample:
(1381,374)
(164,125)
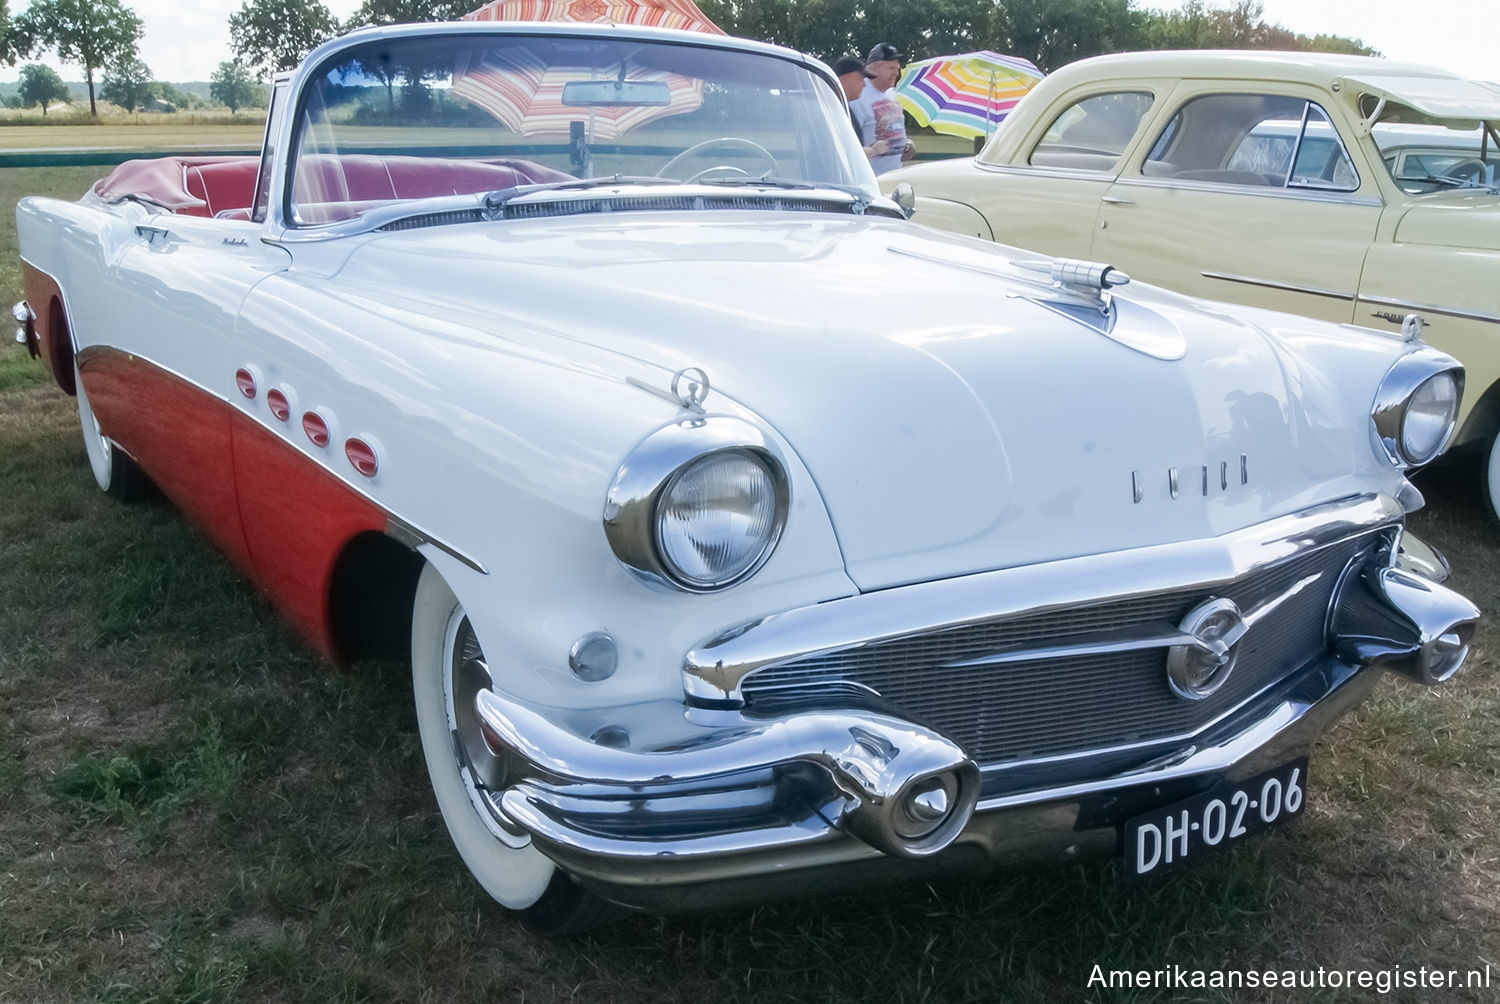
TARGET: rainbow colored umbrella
(965,95)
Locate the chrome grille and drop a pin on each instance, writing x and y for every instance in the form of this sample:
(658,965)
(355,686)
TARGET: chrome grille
(1049,707)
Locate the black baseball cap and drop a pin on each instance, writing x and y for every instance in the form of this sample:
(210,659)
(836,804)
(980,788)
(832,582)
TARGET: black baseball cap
(849,64)
(884,51)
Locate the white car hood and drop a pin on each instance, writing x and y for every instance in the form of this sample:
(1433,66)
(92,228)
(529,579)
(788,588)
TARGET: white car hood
(951,424)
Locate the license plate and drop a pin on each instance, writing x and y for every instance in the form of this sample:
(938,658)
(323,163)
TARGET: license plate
(1194,827)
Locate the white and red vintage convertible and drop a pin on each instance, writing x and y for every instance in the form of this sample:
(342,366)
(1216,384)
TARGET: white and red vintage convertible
(747,538)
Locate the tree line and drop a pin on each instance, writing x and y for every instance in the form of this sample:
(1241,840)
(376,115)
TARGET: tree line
(268,36)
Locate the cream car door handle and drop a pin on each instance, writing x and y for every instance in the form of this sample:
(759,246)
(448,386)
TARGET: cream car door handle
(1115,200)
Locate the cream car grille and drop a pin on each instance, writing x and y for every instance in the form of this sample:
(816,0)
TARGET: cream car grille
(1020,711)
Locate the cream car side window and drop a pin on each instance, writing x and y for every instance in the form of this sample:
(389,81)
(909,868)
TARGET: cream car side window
(1092,134)
(1252,140)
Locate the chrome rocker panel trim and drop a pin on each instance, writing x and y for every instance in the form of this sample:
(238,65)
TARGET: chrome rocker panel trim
(666,807)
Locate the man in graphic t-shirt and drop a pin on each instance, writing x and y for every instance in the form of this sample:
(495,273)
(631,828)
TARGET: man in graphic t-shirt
(882,124)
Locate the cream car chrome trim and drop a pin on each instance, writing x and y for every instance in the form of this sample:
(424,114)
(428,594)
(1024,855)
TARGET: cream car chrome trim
(1332,294)
(1108,174)
(1427,308)
(1267,192)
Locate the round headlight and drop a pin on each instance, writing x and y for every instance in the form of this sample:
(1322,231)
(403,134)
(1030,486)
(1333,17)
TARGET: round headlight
(718,519)
(1429,416)
(1416,407)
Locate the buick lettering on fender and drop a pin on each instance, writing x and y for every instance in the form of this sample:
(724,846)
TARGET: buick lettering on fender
(542,353)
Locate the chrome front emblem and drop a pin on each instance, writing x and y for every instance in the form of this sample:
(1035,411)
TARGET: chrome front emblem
(1201,664)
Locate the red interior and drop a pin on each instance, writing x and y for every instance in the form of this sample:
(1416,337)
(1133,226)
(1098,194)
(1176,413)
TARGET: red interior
(339,186)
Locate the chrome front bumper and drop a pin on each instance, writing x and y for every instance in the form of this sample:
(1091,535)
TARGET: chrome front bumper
(667,805)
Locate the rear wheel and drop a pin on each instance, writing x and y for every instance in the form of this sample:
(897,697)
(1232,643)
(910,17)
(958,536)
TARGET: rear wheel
(116,474)
(447,672)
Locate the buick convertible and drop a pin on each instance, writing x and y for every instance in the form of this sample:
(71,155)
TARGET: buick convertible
(745,538)
(1346,188)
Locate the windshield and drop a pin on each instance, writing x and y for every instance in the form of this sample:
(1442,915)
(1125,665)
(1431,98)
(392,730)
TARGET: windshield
(1427,155)
(423,116)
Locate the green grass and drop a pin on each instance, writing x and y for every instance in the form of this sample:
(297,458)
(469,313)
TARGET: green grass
(197,809)
(156,133)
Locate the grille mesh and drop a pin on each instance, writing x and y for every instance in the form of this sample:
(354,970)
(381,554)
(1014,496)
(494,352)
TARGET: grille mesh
(1048,707)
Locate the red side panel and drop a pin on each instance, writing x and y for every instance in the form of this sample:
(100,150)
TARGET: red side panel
(45,299)
(178,434)
(297,519)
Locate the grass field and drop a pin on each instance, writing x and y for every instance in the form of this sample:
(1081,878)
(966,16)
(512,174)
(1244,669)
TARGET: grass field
(196,809)
(151,136)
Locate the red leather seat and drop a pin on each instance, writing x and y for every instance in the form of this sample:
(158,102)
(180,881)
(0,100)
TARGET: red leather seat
(339,186)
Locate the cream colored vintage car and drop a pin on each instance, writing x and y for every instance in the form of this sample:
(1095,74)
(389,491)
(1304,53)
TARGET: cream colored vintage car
(1346,188)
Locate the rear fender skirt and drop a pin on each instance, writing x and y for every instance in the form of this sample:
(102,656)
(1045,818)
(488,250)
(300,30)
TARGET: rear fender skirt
(53,341)
(177,432)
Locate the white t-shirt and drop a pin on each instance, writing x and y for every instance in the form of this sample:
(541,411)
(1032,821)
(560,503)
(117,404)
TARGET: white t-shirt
(880,117)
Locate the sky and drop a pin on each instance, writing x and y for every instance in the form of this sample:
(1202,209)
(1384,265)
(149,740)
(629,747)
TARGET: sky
(185,39)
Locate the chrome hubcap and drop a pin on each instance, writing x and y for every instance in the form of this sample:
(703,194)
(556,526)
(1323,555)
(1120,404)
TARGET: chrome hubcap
(482,772)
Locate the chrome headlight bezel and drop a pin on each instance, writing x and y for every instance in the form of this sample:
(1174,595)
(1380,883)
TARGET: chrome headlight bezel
(1393,399)
(632,504)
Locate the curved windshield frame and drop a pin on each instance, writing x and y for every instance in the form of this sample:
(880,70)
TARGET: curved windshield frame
(417,117)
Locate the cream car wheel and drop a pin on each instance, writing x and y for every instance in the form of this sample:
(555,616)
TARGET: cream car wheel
(446,674)
(1492,476)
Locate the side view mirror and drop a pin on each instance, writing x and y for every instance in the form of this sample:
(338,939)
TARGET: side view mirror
(906,198)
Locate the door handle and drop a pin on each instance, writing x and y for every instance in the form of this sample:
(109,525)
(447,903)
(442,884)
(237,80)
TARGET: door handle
(150,233)
(1115,200)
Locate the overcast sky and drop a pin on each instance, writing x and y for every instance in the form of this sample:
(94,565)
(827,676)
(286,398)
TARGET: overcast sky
(186,39)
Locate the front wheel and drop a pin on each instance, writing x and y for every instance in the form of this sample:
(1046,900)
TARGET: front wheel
(115,473)
(448,669)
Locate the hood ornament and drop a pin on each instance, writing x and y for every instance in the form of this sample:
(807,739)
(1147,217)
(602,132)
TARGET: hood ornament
(689,388)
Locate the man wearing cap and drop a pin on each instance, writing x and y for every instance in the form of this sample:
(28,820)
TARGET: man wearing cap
(881,124)
(852,76)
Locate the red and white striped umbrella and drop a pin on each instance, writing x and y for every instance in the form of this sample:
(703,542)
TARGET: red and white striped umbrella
(682,14)
(524,90)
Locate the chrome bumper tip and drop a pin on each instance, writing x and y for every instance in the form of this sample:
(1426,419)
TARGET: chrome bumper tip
(1404,622)
(900,788)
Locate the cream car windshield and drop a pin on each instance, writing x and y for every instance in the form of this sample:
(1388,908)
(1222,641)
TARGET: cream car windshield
(417,118)
(1426,155)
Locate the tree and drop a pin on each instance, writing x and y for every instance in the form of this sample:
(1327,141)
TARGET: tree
(176,97)
(232,86)
(91,33)
(128,83)
(274,35)
(13,43)
(407,12)
(40,85)
(1052,33)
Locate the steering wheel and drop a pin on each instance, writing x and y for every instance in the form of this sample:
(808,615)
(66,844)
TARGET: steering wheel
(731,143)
(1471,171)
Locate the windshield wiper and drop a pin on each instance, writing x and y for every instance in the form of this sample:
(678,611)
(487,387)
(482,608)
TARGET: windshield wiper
(1448,181)
(498,198)
(794,184)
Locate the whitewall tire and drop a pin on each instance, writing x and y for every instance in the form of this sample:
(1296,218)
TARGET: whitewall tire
(513,872)
(114,472)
